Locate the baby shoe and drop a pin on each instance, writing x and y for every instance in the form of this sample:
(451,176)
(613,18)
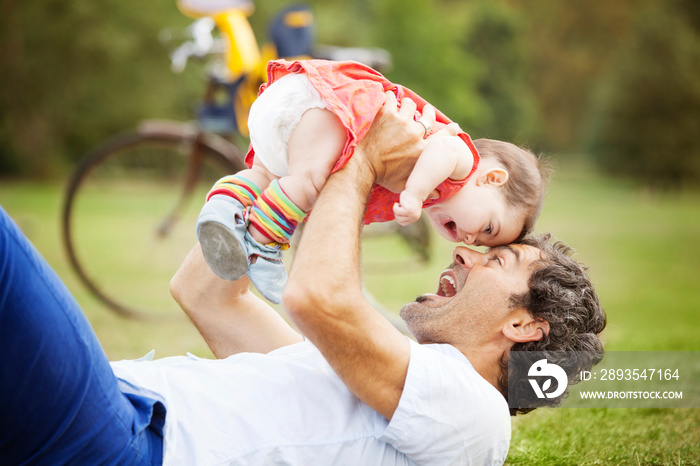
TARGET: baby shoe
(221,228)
(268,272)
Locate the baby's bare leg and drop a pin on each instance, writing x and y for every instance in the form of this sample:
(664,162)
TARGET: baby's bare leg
(312,150)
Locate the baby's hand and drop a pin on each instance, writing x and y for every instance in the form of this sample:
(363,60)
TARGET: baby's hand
(408,209)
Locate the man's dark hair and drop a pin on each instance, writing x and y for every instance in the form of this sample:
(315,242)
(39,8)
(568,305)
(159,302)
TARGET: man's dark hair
(561,293)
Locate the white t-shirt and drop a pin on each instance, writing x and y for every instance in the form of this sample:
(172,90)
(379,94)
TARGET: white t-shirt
(288,407)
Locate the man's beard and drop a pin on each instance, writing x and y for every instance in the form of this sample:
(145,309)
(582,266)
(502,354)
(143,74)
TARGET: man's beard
(407,312)
(414,314)
(421,321)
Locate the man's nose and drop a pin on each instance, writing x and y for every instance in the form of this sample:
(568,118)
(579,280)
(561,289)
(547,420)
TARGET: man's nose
(467,257)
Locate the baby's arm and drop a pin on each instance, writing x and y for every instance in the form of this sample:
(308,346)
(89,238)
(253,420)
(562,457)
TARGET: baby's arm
(445,156)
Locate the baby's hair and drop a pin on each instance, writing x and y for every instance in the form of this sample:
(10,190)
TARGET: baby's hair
(527,181)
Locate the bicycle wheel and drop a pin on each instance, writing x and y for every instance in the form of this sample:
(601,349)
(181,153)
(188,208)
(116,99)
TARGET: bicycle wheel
(130,212)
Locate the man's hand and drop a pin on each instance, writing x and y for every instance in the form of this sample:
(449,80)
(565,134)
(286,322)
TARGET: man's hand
(394,142)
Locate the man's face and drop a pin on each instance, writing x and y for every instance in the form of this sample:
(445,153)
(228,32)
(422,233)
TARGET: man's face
(473,296)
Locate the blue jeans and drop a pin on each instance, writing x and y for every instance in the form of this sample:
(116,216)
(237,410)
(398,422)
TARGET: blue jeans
(60,402)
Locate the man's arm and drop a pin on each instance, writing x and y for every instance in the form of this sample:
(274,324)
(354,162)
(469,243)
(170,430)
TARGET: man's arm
(324,294)
(229,317)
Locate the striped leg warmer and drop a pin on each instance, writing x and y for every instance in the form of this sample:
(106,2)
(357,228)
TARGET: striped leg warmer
(237,187)
(274,215)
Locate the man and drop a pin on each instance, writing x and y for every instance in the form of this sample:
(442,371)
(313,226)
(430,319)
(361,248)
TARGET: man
(355,392)
(441,400)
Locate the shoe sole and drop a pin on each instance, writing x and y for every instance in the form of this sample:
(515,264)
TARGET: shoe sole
(222,251)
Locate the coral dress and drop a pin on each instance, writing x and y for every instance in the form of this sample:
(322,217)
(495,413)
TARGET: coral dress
(355,93)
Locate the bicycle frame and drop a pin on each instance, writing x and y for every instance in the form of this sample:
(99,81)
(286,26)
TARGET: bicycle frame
(245,63)
(242,59)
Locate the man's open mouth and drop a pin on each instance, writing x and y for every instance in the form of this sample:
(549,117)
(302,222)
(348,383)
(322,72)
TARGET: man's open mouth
(448,286)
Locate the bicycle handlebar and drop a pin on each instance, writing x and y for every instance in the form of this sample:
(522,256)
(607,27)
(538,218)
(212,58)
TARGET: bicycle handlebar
(377,58)
(202,43)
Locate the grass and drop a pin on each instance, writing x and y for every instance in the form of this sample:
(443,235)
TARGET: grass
(642,251)
(36,208)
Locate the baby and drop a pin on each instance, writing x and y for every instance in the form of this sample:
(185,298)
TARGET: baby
(305,125)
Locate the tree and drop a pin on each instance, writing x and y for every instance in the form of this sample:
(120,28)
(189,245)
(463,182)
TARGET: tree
(424,37)
(647,111)
(76,72)
(495,39)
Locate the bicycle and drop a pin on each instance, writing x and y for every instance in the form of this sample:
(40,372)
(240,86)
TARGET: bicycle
(152,174)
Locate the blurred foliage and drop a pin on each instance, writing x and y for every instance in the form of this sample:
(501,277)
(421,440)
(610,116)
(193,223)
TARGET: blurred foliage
(432,64)
(570,45)
(646,119)
(74,72)
(536,72)
(497,42)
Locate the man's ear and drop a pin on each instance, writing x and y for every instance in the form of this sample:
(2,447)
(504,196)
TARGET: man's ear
(495,177)
(522,327)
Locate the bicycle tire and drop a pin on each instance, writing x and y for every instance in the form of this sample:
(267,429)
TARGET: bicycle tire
(110,206)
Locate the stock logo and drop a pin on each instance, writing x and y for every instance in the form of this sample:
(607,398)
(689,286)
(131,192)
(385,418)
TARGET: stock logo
(542,369)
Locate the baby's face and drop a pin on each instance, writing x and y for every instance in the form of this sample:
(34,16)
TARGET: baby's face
(477,215)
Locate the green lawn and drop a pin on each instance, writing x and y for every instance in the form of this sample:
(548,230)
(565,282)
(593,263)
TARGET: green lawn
(642,251)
